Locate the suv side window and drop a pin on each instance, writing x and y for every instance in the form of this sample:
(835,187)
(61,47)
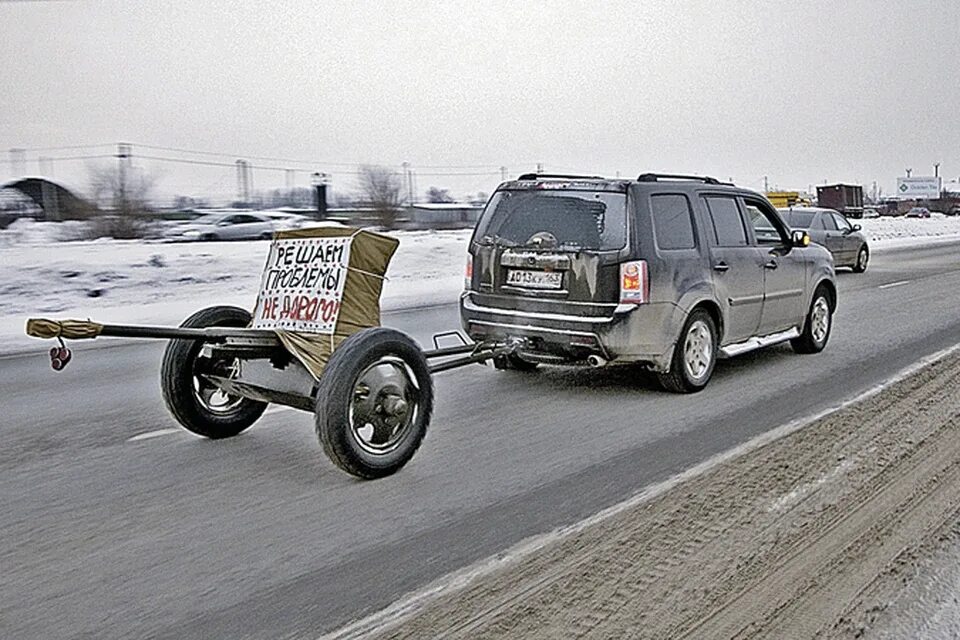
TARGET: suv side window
(828,222)
(725,221)
(672,221)
(765,230)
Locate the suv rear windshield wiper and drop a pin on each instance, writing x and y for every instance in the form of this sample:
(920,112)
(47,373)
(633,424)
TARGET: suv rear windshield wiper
(498,241)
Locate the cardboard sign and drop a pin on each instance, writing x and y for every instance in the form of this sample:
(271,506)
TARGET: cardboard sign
(302,284)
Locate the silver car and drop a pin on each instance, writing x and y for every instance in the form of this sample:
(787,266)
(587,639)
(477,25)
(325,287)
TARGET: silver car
(225,226)
(844,240)
(671,272)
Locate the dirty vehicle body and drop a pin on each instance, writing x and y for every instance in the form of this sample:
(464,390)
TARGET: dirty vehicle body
(668,271)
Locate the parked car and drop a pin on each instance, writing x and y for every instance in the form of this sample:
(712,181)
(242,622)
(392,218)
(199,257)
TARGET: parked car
(871,212)
(224,226)
(845,241)
(918,212)
(668,271)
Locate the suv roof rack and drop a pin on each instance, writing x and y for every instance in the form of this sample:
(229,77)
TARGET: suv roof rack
(561,176)
(654,177)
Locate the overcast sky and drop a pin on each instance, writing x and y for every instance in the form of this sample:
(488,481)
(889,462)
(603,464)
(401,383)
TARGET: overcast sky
(799,91)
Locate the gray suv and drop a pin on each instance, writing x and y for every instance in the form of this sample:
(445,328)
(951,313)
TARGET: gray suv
(667,271)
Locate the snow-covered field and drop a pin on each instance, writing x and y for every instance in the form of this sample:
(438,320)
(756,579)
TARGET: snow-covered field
(161,283)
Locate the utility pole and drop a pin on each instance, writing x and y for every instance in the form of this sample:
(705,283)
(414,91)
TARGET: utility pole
(243,181)
(18,162)
(503,174)
(123,164)
(539,167)
(408,182)
(936,169)
(766,185)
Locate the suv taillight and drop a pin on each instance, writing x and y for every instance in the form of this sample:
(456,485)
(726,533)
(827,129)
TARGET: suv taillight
(634,282)
(468,272)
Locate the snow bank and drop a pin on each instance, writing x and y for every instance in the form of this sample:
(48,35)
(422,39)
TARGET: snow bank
(147,282)
(162,283)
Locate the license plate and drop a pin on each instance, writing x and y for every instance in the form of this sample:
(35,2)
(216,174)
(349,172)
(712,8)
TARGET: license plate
(535,279)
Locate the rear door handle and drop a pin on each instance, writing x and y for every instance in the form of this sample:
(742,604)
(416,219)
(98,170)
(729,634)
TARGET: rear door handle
(770,265)
(721,266)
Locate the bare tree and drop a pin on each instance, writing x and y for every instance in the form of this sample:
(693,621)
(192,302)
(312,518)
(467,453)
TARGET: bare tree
(437,195)
(125,190)
(380,188)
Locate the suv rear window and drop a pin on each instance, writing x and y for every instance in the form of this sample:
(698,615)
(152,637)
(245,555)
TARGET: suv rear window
(576,219)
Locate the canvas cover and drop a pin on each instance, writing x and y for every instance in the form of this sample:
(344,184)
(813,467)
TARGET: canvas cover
(321,285)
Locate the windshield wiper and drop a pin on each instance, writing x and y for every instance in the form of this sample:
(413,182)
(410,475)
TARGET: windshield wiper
(497,241)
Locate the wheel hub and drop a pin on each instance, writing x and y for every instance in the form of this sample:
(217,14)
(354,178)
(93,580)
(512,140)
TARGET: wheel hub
(698,350)
(384,405)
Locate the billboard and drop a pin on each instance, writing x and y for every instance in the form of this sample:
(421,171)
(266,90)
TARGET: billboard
(918,188)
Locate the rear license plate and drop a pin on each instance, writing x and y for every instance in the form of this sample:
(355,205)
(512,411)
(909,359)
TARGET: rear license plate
(535,279)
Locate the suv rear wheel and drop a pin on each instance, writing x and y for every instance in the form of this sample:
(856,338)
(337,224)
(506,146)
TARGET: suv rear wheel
(694,355)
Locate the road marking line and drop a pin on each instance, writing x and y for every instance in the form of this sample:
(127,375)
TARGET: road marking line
(398,612)
(893,284)
(152,434)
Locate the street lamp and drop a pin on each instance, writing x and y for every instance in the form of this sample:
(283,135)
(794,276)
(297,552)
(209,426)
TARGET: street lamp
(319,182)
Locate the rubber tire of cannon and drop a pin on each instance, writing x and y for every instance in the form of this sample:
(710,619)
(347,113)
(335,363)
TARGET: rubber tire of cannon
(335,391)
(176,380)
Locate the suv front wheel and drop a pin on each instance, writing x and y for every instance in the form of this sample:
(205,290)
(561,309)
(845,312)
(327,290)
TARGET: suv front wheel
(694,355)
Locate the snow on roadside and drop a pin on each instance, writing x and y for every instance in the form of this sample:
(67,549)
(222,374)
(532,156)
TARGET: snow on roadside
(145,282)
(162,283)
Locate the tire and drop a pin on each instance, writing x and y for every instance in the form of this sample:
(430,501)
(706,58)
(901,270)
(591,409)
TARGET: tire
(513,362)
(815,335)
(863,257)
(370,369)
(698,338)
(184,391)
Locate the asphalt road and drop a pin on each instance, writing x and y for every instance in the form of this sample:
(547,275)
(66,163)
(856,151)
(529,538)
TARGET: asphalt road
(172,536)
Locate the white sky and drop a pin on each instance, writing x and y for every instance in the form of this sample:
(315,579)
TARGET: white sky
(800,91)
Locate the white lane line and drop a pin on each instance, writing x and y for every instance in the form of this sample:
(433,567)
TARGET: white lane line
(398,612)
(153,434)
(893,284)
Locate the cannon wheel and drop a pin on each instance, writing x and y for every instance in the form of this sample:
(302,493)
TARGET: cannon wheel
(197,405)
(374,402)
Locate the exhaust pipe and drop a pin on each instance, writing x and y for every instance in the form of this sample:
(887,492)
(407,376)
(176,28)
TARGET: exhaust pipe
(596,361)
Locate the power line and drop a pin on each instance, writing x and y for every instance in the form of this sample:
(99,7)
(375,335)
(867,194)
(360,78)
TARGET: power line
(243,155)
(69,147)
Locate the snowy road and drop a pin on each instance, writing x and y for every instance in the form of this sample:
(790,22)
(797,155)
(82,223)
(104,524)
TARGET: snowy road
(116,527)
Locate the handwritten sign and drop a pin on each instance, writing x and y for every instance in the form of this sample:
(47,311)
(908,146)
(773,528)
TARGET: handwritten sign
(302,284)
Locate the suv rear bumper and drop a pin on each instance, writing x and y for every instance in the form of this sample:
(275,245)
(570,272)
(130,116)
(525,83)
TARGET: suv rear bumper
(630,333)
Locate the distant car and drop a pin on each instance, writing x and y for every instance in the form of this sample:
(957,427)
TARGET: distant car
(918,212)
(225,226)
(871,213)
(954,211)
(831,229)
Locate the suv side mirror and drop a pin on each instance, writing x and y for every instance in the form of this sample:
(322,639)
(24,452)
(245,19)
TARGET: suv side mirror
(800,238)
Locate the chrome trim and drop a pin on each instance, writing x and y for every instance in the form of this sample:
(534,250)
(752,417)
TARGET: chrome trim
(469,305)
(757,342)
(583,304)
